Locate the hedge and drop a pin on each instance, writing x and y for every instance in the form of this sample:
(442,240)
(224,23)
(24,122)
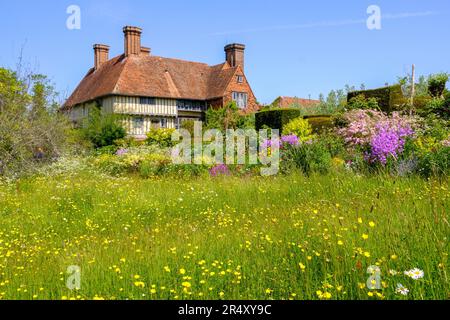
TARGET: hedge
(278,118)
(320,123)
(389,98)
(275,118)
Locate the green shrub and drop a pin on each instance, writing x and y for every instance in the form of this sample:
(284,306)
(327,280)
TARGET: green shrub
(102,130)
(160,137)
(320,123)
(308,158)
(360,102)
(389,99)
(275,118)
(110,164)
(301,128)
(153,165)
(435,163)
(228,117)
(436,84)
(334,144)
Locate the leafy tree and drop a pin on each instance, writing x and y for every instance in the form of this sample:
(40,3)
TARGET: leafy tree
(228,117)
(102,130)
(31,131)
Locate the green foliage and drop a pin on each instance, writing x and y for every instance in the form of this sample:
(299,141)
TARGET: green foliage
(299,127)
(389,99)
(320,123)
(29,138)
(228,117)
(308,157)
(436,106)
(275,118)
(102,129)
(435,163)
(360,102)
(189,125)
(14,96)
(436,84)
(160,137)
(334,143)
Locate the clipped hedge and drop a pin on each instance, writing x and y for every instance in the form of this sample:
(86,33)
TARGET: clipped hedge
(320,123)
(275,118)
(278,118)
(389,98)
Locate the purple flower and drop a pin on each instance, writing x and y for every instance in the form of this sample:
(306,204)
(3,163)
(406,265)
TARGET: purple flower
(269,143)
(218,170)
(290,139)
(121,152)
(388,142)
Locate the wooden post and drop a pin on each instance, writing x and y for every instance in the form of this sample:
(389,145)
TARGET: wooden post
(413,87)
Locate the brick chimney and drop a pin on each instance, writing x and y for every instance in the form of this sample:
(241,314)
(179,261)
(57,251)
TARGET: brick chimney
(146,51)
(101,55)
(235,54)
(132,40)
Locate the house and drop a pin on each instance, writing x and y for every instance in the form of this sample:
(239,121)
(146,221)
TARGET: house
(294,102)
(155,92)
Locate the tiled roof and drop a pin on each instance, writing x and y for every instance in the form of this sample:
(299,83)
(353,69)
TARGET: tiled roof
(285,102)
(151,76)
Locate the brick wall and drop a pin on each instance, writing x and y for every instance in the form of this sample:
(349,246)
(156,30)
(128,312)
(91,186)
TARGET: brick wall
(234,86)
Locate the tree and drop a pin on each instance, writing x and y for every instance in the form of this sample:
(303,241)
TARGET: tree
(102,130)
(228,117)
(28,137)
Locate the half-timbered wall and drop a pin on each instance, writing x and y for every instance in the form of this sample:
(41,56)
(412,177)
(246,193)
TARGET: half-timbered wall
(154,107)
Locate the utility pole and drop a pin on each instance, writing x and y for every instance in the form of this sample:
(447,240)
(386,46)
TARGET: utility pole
(413,87)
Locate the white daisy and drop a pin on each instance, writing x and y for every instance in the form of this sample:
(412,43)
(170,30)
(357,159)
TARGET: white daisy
(415,274)
(401,289)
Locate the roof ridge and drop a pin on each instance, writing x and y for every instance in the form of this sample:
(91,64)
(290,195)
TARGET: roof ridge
(177,59)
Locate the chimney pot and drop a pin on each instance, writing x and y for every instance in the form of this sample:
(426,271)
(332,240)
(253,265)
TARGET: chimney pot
(101,55)
(146,51)
(234,54)
(132,40)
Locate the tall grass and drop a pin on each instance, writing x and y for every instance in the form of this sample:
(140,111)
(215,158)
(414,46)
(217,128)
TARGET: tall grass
(233,238)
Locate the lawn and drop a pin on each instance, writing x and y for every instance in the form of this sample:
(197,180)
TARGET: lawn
(285,237)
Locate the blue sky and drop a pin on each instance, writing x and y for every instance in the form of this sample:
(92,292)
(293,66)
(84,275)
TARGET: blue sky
(294,48)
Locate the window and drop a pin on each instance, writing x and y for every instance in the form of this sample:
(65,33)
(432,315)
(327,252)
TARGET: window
(190,105)
(241,99)
(150,101)
(163,123)
(240,79)
(138,123)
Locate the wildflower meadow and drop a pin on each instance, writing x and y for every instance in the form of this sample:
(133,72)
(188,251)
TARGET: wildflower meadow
(317,237)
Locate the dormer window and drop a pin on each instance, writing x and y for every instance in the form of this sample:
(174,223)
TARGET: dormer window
(240,79)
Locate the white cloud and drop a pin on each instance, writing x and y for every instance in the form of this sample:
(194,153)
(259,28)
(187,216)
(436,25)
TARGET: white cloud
(327,24)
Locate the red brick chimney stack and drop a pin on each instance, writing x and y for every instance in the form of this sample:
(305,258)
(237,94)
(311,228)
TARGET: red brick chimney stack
(235,55)
(101,55)
(132,40)
(146,51)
